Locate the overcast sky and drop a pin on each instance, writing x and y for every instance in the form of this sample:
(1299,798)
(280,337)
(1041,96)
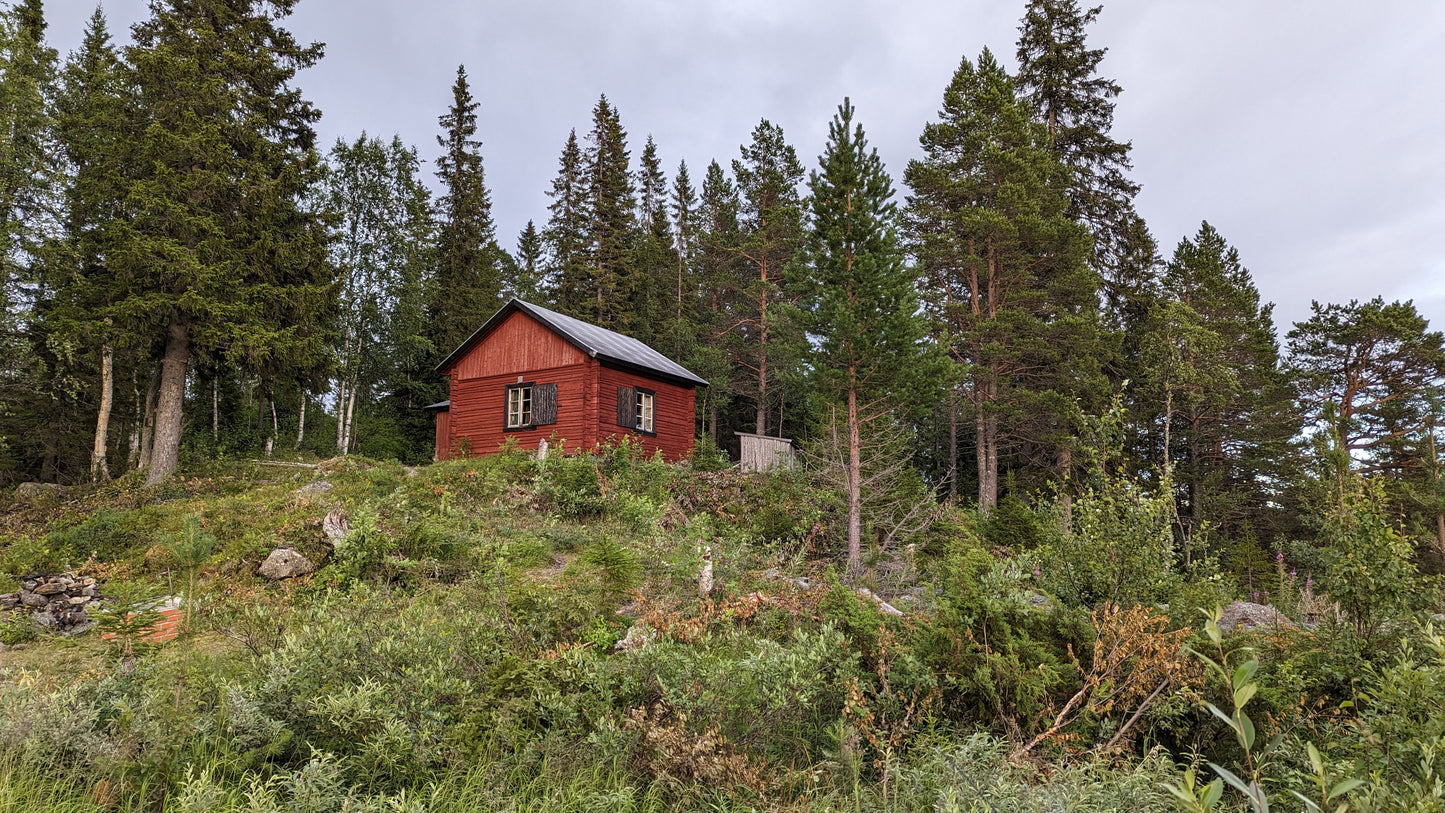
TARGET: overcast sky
(1307,131)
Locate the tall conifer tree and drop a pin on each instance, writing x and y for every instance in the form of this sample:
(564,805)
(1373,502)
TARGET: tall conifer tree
(1213,373)
(90,123)
(466,288)
(565,237)
(858,303)
(1004,265)
(1058,73)
(220,250)
(612,226)
(529,283)
(770,234)
(655,258)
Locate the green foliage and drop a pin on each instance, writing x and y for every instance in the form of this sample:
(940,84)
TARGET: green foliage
(615,563)
(362,554)
(1014,525)
(1121,546)
(1368,567)
(706,456)
(573,487)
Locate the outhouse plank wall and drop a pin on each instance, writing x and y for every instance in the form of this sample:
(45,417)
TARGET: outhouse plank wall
(674,408)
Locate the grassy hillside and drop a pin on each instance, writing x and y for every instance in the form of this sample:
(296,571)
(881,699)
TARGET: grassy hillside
(502,634)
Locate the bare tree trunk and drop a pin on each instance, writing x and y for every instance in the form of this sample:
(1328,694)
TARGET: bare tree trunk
(1066,475)
(855,479)
(952,445)
(275,428)
(215,408)
(148,420)
(133,455)
(301,421)
(762,412)
(341,416)
(170,404)
(350,421)
(99,469)
(1440,534)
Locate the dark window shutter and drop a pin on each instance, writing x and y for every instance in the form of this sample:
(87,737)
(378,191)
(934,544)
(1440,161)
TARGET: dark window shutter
(544,404)
(626,407)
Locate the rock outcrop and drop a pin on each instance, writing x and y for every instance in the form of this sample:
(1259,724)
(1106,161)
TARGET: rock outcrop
(1242,616)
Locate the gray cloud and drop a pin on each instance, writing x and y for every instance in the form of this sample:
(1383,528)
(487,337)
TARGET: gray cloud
(1307,132)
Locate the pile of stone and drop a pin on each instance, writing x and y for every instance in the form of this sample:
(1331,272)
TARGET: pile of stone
(55,602)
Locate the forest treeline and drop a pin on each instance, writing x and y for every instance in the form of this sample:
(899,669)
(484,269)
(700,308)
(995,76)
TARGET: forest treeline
(189,274)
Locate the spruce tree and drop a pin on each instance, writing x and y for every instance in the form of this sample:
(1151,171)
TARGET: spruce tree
(29,182)
(858,303)
(466,288)
(529,283)
(655,257)
(565,237)
(1213,375)
(1058,73)
(1004,265)
(612,228)
(220,250)
(90,126)
(770,221)
(717,273)
(680,296)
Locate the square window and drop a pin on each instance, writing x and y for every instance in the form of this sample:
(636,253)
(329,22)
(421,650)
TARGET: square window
(519,406)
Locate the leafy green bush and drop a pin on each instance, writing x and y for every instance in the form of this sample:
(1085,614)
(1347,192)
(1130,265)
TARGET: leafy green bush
(572,486)
(1368,567)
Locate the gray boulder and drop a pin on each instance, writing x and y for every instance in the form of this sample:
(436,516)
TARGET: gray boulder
(317,487)
(1242,616)
(285,563)
(31,492)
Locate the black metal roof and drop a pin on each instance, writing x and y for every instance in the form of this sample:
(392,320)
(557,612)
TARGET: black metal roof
(598,342)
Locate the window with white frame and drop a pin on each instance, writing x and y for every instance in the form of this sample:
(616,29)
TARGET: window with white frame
(644,411)
(519,406)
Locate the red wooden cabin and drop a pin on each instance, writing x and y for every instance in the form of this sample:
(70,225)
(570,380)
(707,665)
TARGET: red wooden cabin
(530,373)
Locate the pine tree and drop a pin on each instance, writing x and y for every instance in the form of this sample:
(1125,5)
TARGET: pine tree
(1058,73)
(565,237)
(1365,372)
(858,303)
(770,235)
(1004,265)
(220,250)
(467,284)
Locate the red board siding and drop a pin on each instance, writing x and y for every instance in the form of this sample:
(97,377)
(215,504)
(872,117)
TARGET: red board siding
(444,433)
(479,405)
(674,409)
(519,345)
